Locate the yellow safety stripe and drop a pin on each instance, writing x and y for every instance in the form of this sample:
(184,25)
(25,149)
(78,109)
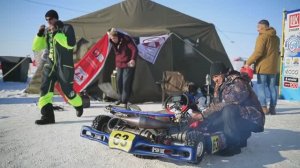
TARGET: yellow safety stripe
(76,101)
(62,40)
(43,100)
(39,43)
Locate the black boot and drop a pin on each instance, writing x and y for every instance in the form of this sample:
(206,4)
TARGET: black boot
(47,115)
(230,151)
(79,111)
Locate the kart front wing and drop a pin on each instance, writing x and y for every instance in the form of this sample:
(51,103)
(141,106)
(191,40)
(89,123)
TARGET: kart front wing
(141,146)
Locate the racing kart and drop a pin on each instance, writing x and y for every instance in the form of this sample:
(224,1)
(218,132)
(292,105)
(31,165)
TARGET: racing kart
(170,133)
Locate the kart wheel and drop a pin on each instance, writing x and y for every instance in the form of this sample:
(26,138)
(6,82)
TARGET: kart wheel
(196,140)
(100,123)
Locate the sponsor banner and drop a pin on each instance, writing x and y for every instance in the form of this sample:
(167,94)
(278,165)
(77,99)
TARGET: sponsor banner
(91,64)
(149,47)
(291,67)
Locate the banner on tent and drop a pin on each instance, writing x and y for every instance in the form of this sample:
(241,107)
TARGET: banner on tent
(90,65)
(93,61)
(291,67)
(149,47)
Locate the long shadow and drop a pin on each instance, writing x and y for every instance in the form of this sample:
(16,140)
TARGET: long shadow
(72,122)
(25,100)
(263,149)
(285,110)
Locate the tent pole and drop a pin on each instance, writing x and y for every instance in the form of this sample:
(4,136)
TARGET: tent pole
(209,60)
(281,52)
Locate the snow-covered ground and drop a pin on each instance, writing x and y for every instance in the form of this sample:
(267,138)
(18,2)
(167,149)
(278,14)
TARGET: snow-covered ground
(24,144)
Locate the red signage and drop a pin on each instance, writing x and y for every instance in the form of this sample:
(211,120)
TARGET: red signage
(291,85)
(294,20)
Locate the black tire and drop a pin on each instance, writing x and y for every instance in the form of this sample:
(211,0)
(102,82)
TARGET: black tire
(196,140)
(100,123)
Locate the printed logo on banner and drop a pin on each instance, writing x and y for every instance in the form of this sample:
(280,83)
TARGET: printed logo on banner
(291,72)
(292,85)
(98,55)
(296,61)
(293,44)
(290,79)
(80,75)
(150,46)
(294,20)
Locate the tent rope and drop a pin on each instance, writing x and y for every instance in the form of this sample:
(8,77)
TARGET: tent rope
(14,67)
(209,60)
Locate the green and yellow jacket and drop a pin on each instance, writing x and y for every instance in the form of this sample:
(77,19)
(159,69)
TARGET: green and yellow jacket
(60,45)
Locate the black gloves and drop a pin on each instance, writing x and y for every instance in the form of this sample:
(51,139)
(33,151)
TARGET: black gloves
(58,26)
(41,30)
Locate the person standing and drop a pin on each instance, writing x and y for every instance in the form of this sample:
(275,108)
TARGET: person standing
(266,59)
(125,59)
(59,39)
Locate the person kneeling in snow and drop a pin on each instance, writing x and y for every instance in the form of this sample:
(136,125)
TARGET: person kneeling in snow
(235,110)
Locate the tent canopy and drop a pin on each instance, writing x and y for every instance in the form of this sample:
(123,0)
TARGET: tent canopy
(147,18)
(191,48)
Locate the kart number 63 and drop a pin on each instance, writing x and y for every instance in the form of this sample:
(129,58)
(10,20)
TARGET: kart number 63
(121,140)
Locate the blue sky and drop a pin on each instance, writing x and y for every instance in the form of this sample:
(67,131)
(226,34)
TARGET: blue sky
(235,20)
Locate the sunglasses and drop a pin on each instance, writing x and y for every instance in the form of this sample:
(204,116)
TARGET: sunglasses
(48,19)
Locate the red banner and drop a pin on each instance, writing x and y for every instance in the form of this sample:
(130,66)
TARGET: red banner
(90,65)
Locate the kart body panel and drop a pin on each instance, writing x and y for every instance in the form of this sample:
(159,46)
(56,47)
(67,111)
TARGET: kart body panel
(141,146)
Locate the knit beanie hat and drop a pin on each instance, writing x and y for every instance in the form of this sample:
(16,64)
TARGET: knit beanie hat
(52,14)
(217,68)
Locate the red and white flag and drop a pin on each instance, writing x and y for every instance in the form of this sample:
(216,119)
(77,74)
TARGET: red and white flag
(149,47)
(91,64)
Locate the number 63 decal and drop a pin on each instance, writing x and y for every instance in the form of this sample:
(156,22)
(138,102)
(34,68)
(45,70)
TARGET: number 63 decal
(121,140)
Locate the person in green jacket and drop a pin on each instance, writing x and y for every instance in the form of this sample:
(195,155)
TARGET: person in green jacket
(266,59)
(59,39)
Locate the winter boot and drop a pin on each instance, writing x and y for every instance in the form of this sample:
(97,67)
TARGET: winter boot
(265,110)
(47,115)
(79,111)
(229,151)
(272,110)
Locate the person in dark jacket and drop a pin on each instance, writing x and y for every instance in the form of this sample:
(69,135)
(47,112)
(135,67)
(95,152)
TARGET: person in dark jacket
(125,59)
(59,40)
(235,110)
